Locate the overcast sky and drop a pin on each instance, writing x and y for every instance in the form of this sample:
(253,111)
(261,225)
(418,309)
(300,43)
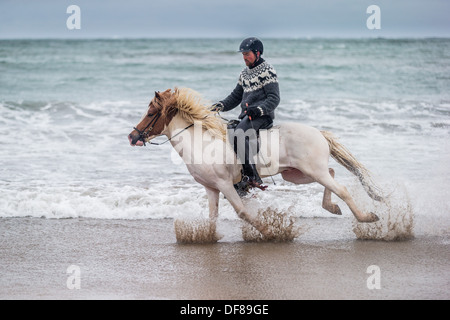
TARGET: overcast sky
(224,18)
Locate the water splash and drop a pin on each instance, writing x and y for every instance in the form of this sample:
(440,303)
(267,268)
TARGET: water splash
(396,219)
(196,231)
(281,226)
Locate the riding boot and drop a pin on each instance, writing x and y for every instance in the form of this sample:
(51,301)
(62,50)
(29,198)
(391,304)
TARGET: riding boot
(252,174)
(250,179)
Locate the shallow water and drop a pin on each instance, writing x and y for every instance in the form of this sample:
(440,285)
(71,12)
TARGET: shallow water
(67,106)
(140,259)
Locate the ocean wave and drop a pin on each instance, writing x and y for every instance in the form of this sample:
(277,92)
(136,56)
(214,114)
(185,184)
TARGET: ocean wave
(159,201)
(102,203)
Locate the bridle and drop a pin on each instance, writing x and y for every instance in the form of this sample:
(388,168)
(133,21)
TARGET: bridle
(143,135)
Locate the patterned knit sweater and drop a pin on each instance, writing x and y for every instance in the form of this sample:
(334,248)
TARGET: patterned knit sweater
(257,87)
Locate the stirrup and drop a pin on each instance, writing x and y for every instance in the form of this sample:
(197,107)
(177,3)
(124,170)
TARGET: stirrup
(254,184)
(242,188)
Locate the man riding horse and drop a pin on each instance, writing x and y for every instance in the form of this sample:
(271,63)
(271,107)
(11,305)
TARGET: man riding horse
(258,93)
(303,151)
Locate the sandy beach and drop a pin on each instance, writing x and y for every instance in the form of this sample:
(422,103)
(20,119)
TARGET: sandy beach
(140,259)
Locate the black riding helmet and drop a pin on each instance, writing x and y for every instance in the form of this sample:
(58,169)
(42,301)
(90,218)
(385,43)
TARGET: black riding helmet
(251,44)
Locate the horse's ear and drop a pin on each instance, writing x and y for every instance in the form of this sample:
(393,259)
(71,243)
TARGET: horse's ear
(157,95)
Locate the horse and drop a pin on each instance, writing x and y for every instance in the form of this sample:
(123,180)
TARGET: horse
(302,157)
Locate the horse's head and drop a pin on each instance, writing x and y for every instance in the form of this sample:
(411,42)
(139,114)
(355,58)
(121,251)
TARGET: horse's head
(153,122)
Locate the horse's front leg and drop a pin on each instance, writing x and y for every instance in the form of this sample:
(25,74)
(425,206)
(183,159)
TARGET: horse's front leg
(236,201)
(213,200)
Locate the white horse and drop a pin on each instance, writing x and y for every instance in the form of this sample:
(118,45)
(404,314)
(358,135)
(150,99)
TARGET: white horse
(302,157)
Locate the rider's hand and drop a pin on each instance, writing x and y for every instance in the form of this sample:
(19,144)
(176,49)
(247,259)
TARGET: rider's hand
(216,107)
(255,112)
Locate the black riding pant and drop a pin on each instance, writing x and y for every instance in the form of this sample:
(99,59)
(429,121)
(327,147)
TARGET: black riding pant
(245,139)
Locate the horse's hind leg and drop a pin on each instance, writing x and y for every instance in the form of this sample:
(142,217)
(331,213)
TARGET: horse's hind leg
(326,202)
(298,177)
(328,182)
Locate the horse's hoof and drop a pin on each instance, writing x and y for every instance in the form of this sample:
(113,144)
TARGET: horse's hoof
(374,217)
(371,217)
(336,210)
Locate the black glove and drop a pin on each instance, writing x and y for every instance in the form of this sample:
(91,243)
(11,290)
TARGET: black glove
(255,112)
(216,107)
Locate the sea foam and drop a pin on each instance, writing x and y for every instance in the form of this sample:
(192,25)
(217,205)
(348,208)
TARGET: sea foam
(396,215)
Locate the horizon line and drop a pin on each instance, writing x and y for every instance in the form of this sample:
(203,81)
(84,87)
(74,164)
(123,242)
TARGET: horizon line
(230,38)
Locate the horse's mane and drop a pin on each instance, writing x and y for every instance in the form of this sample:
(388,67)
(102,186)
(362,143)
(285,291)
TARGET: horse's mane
(192,108)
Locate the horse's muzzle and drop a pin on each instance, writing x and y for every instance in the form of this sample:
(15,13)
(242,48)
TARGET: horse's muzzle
(135,139)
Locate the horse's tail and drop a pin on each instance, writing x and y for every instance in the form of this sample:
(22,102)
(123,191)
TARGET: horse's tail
(343,156)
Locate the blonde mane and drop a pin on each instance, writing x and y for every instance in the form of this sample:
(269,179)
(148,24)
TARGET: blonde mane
(192,107)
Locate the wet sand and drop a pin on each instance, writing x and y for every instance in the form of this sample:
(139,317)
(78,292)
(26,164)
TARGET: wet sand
(140,259)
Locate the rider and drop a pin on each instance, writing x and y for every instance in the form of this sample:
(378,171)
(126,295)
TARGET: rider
(258,93)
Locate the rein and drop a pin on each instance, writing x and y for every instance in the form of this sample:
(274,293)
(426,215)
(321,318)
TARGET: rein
(143,135)
(158,144)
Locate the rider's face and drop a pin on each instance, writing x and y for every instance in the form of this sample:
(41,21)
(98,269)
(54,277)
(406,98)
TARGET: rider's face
(249,58)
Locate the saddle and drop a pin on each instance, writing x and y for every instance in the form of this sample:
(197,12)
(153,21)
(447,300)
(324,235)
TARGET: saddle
(232,124)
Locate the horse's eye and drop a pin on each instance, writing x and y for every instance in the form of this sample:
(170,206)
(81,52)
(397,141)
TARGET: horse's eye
(150,115)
